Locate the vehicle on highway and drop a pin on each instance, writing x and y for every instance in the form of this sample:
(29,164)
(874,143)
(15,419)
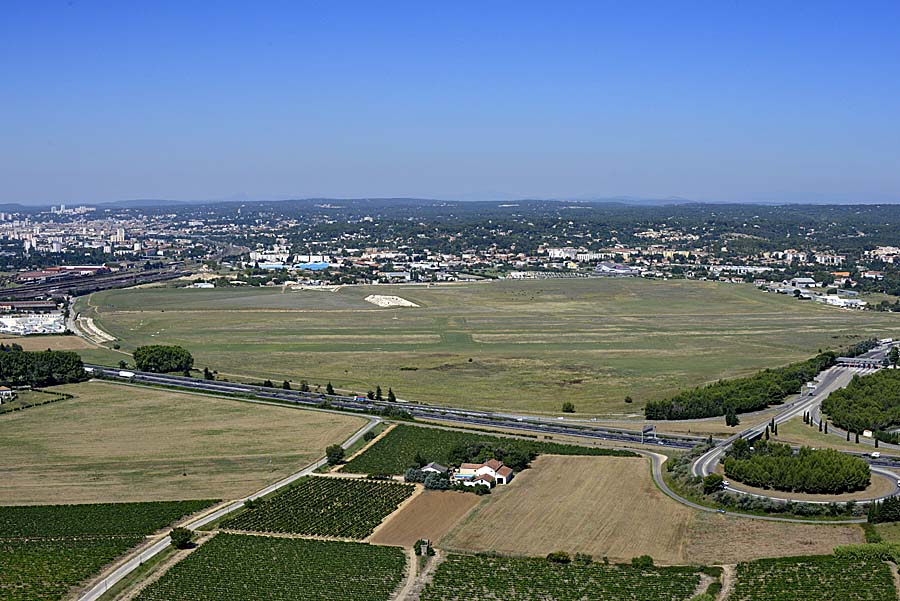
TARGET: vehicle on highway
(876,455)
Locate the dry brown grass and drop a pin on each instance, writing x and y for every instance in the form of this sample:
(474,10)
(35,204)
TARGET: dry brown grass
(430,515)
(718,539)
(125,443)
(604,506)
(609,506)
(42,343)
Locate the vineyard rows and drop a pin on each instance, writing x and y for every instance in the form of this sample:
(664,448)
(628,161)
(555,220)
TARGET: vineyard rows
(397,451)
(45,550)
(813,579)
(101,518)
(323,506)
(234,567)
(467,577)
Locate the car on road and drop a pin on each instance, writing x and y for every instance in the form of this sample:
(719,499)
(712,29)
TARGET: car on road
(876,455)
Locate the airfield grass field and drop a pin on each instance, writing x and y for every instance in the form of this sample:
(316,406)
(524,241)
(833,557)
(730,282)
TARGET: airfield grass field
(506,345)
(609,506)
(114,443)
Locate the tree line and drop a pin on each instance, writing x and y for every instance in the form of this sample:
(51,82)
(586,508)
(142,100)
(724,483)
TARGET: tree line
(740,395)
(39,368)
(867,403)
(775,465)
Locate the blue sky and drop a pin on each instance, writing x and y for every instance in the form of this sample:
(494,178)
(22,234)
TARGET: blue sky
(717,101)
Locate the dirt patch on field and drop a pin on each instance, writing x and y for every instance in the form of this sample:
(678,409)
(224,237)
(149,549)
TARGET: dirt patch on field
(42,343)
(430,515)
(718,539)
(604,506)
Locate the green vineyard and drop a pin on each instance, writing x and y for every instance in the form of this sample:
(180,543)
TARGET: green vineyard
(398,450)
(324,506)
(234,567)
(467,577)
(96,519)
(813,579)
(45,550)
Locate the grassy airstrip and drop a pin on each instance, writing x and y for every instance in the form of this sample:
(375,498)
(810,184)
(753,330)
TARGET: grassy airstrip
(511,345)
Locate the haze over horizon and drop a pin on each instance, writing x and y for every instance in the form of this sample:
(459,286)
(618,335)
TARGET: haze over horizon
(737,103)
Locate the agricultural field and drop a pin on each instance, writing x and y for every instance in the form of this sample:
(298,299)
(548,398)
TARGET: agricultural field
(466,577)
(114,443)
(234,567)
(814,579)
(429,515)
(325,506)
(47,550)
(637,519)
(507,345)
(562,500)
(397,450)
(719,539)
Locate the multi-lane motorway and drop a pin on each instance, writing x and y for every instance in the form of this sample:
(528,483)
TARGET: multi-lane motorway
(418,410)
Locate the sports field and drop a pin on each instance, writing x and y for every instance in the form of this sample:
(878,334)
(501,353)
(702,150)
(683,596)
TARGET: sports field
(115,443)
(609,506)
(508,345)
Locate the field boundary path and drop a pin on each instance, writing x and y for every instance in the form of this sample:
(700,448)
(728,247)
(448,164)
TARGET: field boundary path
(136,559)
(728,575)
(412,573)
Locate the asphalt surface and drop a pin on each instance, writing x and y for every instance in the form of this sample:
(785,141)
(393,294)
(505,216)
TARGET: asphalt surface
(827,382)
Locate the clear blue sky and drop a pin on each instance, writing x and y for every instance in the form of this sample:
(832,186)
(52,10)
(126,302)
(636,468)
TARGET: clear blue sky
(719,101)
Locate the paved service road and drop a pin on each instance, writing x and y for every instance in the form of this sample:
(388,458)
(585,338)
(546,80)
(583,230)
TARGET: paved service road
(135,561)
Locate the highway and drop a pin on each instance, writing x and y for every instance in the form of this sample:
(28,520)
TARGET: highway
(828,381)
(137,559)
(450,414)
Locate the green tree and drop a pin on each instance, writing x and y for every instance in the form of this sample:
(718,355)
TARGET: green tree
(568,407)
(163,359)
(712,483)
(181,537)
(378,396)
(286,385)
(558,557)
(334,454)
(643,562)
(329,389)
(894,355)
(392,398)
(731,418)
(304,386)
(628,399)
(208,375)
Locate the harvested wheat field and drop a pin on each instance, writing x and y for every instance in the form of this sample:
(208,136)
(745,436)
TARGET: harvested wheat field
(718,539)
(429,515)
(609,506)
(604,506)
